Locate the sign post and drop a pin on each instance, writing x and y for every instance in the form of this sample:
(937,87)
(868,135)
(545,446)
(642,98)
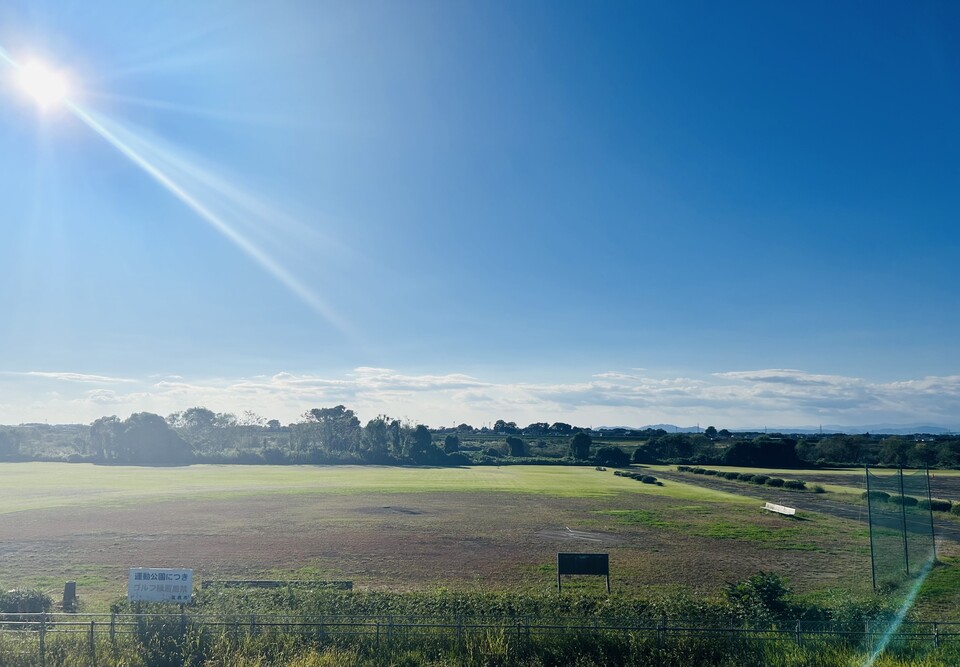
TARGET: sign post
(160,584)
(590,564)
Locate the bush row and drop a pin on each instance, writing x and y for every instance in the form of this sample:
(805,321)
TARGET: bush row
(935,504)
(762,480)
(640,477)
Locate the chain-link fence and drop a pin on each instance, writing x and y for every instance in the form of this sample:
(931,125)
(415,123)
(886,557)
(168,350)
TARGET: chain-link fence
(901,527)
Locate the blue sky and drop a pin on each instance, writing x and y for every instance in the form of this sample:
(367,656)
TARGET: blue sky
(602,213)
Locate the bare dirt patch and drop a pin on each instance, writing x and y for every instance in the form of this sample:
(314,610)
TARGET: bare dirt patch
(566,534)
(389,509)
(408,541)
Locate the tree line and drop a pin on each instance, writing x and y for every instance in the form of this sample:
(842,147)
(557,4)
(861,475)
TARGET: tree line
(336,435)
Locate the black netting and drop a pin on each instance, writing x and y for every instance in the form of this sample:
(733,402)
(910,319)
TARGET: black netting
(900,525)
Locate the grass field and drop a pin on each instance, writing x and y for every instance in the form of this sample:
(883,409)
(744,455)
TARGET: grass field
(390,528)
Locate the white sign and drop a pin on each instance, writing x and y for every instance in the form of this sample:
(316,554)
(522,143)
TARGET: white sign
(160,584)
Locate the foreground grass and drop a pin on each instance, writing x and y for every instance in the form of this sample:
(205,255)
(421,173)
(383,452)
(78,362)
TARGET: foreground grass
(496,651)
(449,629)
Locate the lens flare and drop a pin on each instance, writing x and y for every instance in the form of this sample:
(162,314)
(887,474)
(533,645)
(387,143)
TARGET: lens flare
(47,87)
(900,616)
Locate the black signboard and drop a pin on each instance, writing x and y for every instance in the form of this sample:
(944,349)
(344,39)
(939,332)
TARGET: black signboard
(590,564)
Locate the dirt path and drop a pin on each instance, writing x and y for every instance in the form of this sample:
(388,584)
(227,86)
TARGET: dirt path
(809,502)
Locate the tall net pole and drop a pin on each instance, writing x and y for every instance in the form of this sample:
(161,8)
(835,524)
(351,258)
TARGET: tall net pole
(933,537)
(901,528)
(873,563)
(903,517)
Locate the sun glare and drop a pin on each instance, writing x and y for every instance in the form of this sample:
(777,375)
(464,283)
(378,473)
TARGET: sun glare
(47,87)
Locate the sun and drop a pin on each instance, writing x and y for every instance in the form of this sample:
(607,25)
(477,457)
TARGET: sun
(47,87)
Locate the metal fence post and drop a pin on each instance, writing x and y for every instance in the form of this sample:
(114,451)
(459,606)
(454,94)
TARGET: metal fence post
(799,635)
(93,646)
(113,629)
(43,644)
(936,635)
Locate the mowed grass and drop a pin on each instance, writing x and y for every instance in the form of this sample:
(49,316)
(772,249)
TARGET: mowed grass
(27,486)
(395,528)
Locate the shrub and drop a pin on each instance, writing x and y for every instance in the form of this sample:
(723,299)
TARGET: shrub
(775,481)
(745,476)
(648,479)
(906,501)
(760,479)
(762,597)
(24,601)
(683,468)
(881,496)
(612,456)
(697,471)
(795,484)
(731,475)
(709,472)
(492,452)
(955,509)
(458,459)
(936,504)
(816,488)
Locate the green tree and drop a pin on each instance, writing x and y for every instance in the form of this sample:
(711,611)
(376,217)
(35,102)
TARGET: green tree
(335,429)
(142,439)
(104,434)
(612,456)
(451,444)
(375,439)
(580,446)
(895,450)
(516,446)
(9,445)
(206,430)
(420,446)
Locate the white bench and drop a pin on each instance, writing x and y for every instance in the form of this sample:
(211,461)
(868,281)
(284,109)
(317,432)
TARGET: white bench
(779,509)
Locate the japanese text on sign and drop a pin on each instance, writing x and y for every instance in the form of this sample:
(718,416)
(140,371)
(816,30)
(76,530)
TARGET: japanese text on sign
(152,584)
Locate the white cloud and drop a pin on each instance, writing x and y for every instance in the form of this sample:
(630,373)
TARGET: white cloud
(733,399)
(73,377)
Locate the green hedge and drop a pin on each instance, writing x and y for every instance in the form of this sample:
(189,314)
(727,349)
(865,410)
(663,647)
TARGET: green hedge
(936,504)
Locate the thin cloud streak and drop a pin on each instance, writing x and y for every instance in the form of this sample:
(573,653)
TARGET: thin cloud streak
(734,399)
(71,377)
